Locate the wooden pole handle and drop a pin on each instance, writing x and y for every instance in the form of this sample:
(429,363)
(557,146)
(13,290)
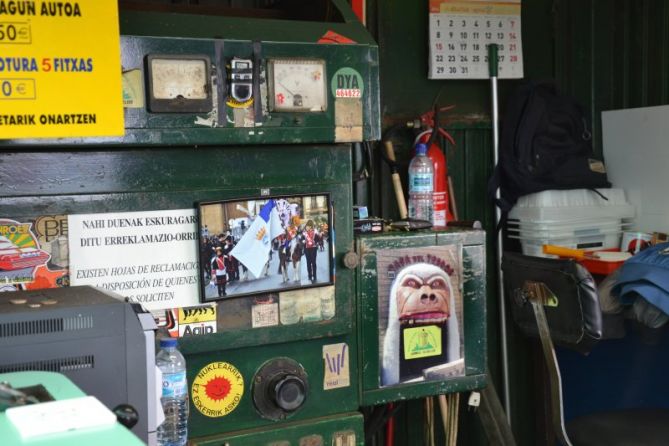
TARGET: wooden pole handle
(451,197)
(397,183)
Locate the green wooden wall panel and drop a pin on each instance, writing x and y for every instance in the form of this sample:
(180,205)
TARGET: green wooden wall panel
(612,54)
(402,30)
(606,64)
(205,25)
(456,157)
(30,172)
(638,53)
(478,168)
(664,61)
(405,89)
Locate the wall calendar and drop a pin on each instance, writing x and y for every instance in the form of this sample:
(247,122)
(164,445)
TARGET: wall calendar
(460,31)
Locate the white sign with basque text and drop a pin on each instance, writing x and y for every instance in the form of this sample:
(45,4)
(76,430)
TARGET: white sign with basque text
(149,257)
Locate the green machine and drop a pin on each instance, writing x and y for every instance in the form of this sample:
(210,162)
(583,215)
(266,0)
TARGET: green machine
(57,387)
(282,99)
(229,108)
(260,104)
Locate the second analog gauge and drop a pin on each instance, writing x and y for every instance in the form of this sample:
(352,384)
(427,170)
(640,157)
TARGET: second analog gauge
(297,85)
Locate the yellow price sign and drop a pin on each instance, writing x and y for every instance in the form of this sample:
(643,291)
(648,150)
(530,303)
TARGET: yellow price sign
(18,88)
(15,32)
(60,69)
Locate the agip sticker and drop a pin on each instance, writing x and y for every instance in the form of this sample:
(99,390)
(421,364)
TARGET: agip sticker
(194,321)
(217,389)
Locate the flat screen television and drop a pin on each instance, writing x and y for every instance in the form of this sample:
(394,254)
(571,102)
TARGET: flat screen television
(261,245)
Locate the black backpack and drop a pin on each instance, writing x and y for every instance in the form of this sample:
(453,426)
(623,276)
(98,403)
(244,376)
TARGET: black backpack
(545,144)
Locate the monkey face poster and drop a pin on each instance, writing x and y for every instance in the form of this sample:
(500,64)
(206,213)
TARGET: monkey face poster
(420,314)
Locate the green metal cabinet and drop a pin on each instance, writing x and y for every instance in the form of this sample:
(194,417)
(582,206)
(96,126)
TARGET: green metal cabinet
(50,183)
(473,328)
(172,161)
(343,430)
(219,39)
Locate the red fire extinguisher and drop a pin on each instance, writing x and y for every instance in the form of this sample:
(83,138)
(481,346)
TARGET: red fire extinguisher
(442,210)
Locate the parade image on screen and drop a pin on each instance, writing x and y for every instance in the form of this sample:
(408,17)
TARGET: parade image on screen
(264,244)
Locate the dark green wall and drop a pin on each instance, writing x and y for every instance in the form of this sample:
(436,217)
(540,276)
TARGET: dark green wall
(613,54)
(401,29)
(609,54)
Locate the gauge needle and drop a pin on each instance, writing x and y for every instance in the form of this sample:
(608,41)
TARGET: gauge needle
(286,88)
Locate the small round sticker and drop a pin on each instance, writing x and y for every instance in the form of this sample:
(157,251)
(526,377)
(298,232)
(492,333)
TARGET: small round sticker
(217,389)
(347,83)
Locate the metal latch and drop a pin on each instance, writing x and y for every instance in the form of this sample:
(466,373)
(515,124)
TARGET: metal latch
(539,292)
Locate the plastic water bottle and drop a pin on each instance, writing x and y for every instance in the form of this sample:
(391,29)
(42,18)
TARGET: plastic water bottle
(421,185)
(174,430)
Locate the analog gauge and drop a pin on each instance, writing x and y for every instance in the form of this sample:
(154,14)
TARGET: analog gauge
(297,85)
(179,84)
(173,78)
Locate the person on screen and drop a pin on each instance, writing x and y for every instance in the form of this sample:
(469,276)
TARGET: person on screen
(310,249)
(206,255)
(284,254)
(220,241)
(219,272)
(231,263)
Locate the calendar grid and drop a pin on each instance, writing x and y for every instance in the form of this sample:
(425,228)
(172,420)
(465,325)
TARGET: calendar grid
(459,41)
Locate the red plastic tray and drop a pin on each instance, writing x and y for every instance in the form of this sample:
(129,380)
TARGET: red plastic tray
(600,267)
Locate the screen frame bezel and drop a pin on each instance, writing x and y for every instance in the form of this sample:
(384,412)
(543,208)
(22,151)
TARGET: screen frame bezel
(330,251)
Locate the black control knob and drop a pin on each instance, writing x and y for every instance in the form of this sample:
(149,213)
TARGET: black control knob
(280,388)
(126,415)
(289,393)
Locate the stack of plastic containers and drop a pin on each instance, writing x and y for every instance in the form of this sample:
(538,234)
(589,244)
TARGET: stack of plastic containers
(578,218)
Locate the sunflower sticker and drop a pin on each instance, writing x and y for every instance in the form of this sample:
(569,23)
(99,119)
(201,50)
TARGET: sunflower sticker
(217,389)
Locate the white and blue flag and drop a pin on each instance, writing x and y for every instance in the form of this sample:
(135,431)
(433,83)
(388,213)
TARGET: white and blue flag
(253,248)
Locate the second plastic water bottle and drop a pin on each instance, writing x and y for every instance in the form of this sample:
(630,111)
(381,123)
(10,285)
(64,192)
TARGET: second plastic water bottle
(421,185)
(174,430)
